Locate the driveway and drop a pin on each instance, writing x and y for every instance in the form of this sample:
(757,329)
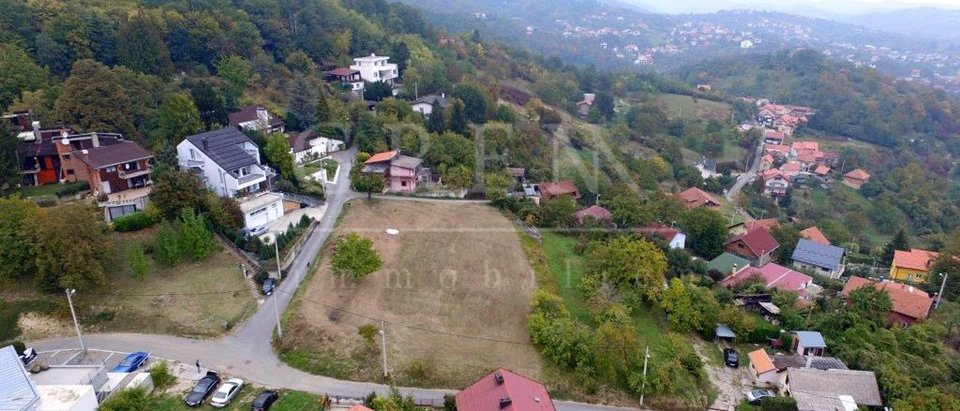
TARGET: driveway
(731,383)
(745,179)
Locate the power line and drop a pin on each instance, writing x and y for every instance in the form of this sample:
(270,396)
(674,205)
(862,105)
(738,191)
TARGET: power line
(169,294)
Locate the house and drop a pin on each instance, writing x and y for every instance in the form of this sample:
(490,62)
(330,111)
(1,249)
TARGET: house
(777,150)
(913,265)
(43,153)
(348,79)
(783,362)
(226,160)
(773,137)
(791,169)
(775,183)
(828,390)
(856,179)
(309,145)
(549,191)
(674,238)
(595,212)
(504,390)
(909,303)
(761,366)
(775,276)
(120,172)
(424,105)
(707,168)
(728,264)
(826,260)
(766,224)
(814,234)
(376,68)
(694,197)
(822,171)
(257,118)
(766,162)
(583,106)
(756,245)
(358,407)
(17,391)
(809,343)
(401,173)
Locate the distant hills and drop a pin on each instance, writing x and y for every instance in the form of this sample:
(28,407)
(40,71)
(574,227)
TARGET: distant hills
(941,25)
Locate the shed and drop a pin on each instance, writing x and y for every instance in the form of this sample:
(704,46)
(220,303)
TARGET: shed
(764,372)
(724,333)
(809,343)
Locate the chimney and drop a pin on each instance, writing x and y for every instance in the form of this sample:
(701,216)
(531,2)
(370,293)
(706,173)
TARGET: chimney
(505,402)
(443,95)
(910,289)
(95,139)
(498,378)
(263,115)
(205,146)
(36,130)
(734,270)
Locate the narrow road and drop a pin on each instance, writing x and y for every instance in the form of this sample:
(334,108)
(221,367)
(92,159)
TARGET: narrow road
(248,352)
(744,179)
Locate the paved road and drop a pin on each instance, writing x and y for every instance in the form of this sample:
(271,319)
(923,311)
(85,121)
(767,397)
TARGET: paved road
(248,352)
(744,179)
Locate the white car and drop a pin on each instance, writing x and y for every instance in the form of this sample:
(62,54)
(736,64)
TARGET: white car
(227,391)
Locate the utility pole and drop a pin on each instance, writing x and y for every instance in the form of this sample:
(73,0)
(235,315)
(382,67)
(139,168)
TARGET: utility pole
(942,286)
(276,312)
(276,249)
(643,388)
(383,347)
(70,292)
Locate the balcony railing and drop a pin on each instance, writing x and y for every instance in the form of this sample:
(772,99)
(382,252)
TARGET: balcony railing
(249,178)
(134,173)
(195,163)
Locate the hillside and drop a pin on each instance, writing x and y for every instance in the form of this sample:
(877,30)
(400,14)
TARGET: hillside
(931,23)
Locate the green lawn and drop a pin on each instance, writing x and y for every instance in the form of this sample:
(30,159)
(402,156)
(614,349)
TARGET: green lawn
(681,106)
(49,190)
(567,270)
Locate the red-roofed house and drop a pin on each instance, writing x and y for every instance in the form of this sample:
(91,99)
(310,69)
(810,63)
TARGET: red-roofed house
(504,390)
(695,198)
(766,224)
(775,182)
(764,372)
(673,237)
(775,276)
(814,234)
(773,137)
(756,245)
(791,169)
(595,212)
(766,162)
(550,191)
(822,170)
(856,178)
(401,173)
(909,304)
(777,150)
(913,265)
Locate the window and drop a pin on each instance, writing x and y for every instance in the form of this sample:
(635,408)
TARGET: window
(70,172)
(66,156)
(111,169)
(403,183)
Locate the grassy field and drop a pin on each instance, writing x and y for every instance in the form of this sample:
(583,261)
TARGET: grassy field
(454,290)
(680,106)
(49,190)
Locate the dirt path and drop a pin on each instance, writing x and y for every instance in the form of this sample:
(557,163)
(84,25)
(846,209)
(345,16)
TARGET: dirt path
(730,383)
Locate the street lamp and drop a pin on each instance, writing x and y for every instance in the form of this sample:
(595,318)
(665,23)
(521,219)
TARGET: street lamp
(70,292)
(942,285)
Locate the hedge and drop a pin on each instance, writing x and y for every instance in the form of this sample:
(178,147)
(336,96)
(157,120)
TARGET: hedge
(133,222)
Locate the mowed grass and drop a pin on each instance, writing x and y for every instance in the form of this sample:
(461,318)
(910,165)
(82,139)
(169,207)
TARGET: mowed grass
(203,299)
(681,106)
(454,291)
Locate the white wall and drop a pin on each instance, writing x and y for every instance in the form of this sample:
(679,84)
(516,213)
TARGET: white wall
(264,214)
(679,241)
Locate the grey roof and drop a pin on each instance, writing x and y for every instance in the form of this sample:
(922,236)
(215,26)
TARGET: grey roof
(724,331)
(820,255)
(810,361)
(223,147)
(16,391)
(811,386)
(811,339)
(407,162)
(430,99)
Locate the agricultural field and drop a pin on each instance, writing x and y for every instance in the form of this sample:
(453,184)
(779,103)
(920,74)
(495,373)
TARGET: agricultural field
(454,291)
(681,106)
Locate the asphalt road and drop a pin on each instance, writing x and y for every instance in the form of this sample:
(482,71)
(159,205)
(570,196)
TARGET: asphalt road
(744,179)
(248,353)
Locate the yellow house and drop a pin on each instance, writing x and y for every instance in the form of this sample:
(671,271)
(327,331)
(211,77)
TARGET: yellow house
(912,266)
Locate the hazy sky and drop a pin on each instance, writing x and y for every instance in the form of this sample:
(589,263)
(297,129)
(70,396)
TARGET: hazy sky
(830,6)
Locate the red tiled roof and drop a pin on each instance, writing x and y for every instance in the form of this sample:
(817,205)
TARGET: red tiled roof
(858,174)
(381,157)
(914,259)
(772,173)
(790,167)
(907,300)
(760,361)
(695,197)
(766,224)
(486,394)
(814,234)
(773,135)
(822,170)
(806,145)
(757,240)
(595,211)
(557,189)
(767,158)
(661,230)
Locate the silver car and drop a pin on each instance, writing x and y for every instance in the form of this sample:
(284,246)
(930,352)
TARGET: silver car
(754,397)
(227,391)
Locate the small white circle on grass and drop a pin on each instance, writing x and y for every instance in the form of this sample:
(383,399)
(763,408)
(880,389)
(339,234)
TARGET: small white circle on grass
(393,231)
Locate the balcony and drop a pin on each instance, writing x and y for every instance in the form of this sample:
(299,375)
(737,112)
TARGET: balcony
(195,163)
(128,174)
(249,178)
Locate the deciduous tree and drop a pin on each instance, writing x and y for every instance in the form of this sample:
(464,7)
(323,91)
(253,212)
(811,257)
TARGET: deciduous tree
(141,46)
(72,247)
(629,263)
(176,119)
(706,230)
(176,190)
(355,257)
(277,151)
(16,252)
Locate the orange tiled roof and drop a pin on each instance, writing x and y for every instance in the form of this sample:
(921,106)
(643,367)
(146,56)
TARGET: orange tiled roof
(761,361)
(806,145)
(858,174)
(822,170)
(906,299)
(790,167)
(814,234)
(915,259)
(766,224)
(381,157)
(695,197)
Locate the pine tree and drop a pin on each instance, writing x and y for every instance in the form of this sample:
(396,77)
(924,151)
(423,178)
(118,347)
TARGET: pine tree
(899,242)
(458,117)
(435,122)
(322,112)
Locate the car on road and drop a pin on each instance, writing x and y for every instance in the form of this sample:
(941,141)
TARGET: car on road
(268,286)
(754,397)
(132,362)
(730,357)
(227,391)
(203,389)
(264,400)
(28,357)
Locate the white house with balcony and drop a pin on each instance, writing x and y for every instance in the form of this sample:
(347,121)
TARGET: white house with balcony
(228,162)
(376,68)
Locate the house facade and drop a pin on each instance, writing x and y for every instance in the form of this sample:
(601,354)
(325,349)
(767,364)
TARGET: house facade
(755,245)
(401,173)
(46,154)
(913,265)
(674,238)
(549,191)
(856,179)
(910,304)
(809,343)
(424,105)
(762,370)
(257,118)
(694,197)
(376,68)
(309,145)
(775,183)
(118,174)
(348,79)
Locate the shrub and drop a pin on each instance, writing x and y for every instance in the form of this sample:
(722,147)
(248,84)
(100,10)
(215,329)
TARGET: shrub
(133,222)
(160,374)
(778,404)
(127,400)
(137,260)
(368,332)
(72,189)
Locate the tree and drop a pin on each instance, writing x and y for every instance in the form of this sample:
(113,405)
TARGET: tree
(400,53)
(628,210)
(134,399)
(18,73)
(322,112)
(194,236)
(300,63)
(435,121)
(176,119)
(558,212)
(141,47)
(277,151)
(370,135)
(72,249)
(355,257)
(871,305)
(167,248)
(706,230)
(302,98)
(604,103)
(137,261)
(629,263)
(899,242)
(377,90)
(176,190)
(209,103)
(236,71)
(787,237)
(9,161)
(474,101)
(15,251)
(690,308)
(94,99)
(458,117)
(459,176)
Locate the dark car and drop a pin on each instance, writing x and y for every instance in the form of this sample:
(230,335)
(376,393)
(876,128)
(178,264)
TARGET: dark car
(206,386)
(264,400)
(269,284)
(132,362)
(731,358)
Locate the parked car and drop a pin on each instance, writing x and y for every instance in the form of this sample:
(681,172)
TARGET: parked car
(203,389)
(257,231)
(269,285)
(731,358)
(754,397)
(227,391)
(28,357)
(132,362)
(264,400)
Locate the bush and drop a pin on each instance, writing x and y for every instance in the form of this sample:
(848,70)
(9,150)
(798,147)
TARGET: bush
(160,374)
(133,222)
(778,404)
(127,400)
(72,189)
